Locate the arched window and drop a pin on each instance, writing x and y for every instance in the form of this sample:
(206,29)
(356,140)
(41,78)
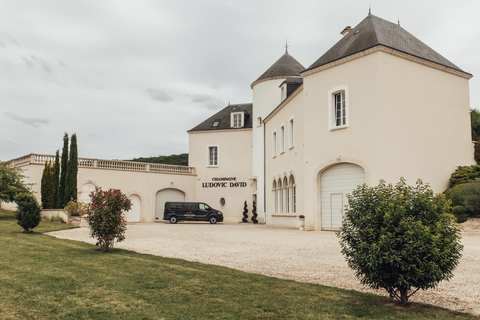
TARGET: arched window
(287,195)
(293,187)
(275,193)
(280,191)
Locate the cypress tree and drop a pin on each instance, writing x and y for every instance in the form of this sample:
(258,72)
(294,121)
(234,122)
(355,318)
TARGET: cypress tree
(47,186)
(56,181)
(43,191)
(63,173)
(72,170)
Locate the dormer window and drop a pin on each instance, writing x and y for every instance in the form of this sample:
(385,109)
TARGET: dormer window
(237,119)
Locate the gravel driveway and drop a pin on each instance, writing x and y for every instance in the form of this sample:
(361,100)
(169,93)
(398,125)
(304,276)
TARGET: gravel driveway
(306,256)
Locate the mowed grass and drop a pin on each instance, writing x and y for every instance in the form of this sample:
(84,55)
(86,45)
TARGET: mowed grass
(47,278)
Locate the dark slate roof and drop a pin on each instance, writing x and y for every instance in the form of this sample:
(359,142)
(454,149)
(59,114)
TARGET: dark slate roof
(293,80)
(223,118)
(286,66)
(374,31)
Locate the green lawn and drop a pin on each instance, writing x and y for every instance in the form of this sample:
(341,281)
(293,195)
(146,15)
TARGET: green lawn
(47,278)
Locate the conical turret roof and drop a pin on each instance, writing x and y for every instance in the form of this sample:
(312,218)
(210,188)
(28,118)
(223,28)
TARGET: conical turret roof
(284,67)
(374,31)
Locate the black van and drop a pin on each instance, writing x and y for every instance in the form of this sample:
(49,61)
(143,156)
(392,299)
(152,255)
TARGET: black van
(191,211)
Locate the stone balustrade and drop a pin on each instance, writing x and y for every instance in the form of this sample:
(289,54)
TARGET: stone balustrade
(106,164)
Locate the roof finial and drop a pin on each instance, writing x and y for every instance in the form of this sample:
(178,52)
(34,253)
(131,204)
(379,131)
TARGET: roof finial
(286,45)
(369,10)
(399,21)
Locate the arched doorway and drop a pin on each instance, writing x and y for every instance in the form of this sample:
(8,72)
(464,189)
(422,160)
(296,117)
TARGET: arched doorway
(133,215)
(335,183)
(163,196)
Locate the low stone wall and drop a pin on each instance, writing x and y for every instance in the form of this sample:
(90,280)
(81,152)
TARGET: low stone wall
(54,214)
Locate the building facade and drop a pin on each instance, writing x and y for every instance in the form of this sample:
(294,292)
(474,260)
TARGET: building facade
(380,104)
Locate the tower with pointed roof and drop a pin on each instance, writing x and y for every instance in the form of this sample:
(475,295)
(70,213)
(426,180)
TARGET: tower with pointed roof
(267,95)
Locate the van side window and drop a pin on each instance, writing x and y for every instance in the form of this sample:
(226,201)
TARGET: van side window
(203,206)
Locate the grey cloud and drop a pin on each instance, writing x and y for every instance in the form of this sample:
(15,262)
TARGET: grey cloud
(159,95)
(208,101)
(31,121)
(35,62)
(6,39)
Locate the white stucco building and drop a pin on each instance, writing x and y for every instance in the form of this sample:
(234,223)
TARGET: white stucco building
(380,104)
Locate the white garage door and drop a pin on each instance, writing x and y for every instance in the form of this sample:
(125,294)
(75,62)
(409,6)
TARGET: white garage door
(336,182)
(133,215)
(164,196)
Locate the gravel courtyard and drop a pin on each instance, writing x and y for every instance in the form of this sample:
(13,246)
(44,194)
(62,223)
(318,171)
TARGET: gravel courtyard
(306,256)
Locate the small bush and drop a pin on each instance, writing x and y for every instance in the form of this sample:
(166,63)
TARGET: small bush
(460,213)
(105,216)
(456,195)
(254,213)
(28,212)
(400,238)
(464,174)
(75,208)
(245,212)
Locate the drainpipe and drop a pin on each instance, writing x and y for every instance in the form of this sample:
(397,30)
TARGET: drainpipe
(264,175)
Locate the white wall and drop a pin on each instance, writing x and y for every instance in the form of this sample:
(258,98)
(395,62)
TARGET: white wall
(235,162)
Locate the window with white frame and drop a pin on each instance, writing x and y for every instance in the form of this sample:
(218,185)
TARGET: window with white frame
(213,156)
(259,121)
(236,119)
(287,196)
(275,192)
(282,139)
(280,191)
(293,188)
(291,134)
(338,109)
(340,116)
(274,143)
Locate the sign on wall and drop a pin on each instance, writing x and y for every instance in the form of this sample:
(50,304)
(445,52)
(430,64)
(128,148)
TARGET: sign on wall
(224,182)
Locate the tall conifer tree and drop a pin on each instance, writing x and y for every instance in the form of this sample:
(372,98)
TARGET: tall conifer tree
(63,173)
(56,181)
(47,186)
(72,170)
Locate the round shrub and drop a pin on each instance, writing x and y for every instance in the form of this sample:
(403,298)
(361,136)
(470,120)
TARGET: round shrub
(28,212)
(400,238)
(460,212)
(456,195)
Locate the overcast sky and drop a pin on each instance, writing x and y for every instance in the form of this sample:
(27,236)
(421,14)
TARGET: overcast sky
(131,77)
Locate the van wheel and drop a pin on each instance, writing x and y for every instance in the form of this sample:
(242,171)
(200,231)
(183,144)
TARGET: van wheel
(213,220)
(173,219)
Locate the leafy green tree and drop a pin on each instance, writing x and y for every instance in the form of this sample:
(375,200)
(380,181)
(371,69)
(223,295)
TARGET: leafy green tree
(56,181)
(174,159)
(400,238)
(105,216)
(254,213)
(475,123)
(72,170)
(28,212)
(46,188)
(11,182)
(245,212)
(63,173)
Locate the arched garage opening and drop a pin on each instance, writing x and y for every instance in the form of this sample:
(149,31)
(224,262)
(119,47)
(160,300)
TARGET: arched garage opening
(133,215)
(163,196)
(335,183)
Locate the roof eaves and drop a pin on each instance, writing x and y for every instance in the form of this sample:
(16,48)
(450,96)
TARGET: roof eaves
(347,58)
